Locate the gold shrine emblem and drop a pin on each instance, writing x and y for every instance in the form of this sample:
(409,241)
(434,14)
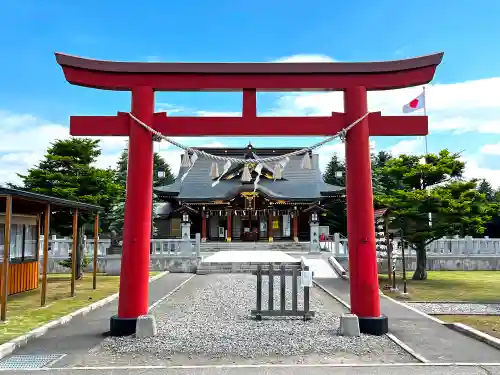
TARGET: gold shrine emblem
(249,199)
(250,195)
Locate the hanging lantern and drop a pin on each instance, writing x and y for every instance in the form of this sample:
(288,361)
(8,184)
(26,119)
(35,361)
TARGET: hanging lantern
(306,161)
(246,176)
(214,170)
(185,162)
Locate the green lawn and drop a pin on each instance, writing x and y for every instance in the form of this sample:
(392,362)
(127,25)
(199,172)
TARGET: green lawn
(24,312)
(451,286)
(477,286)
(487,324)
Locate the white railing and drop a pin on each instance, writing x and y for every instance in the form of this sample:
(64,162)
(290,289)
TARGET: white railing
(467,246)
(176,246)
(61,247)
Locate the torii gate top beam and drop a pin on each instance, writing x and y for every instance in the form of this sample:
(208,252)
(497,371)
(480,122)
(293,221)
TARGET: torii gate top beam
(322,76)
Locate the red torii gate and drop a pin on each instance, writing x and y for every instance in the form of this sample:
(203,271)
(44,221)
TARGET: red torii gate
(143,79)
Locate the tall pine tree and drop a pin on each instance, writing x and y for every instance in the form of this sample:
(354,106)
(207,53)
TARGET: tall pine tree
(436,187)
(68,171)
(336,217)
(162,175)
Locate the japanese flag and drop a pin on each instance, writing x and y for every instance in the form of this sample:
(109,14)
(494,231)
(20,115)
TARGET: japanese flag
(415,104)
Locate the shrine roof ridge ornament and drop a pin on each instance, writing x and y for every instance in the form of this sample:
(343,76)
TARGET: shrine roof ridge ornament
(234,76)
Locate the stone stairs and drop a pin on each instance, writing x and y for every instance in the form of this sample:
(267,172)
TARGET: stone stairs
(288,247)
(245,261)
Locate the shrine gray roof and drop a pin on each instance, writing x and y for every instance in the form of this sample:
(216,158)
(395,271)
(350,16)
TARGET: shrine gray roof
(298,183)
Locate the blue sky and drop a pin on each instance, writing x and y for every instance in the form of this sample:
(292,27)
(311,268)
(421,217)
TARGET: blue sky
(463,101)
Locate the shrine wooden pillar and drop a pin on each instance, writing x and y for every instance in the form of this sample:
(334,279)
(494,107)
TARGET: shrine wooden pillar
(295,227)
(46,232)
(74,250)
(4,279)
(229,214)
(270,226)
(134,273)
(363,268)
(203,226)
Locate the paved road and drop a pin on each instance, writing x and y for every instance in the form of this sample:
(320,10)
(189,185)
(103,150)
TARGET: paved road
(294,370)
(86,332)
(432,340)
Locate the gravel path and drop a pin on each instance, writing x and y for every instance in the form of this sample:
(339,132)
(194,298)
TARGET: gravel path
(207,322)
(450,308)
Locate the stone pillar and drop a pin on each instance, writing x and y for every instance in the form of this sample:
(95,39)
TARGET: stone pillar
(229,214)
(185,230)
(270,226)
(203,226)
(314,232)
(185,247)
(295,227)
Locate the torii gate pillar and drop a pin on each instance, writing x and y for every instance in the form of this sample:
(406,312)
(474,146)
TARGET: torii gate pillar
(133,300)
(363,268)
(354,79)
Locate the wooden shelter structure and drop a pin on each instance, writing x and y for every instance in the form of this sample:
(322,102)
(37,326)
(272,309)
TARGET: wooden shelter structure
(21,216)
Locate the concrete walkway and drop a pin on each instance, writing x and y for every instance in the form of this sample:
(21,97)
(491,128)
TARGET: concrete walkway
(432,340)
(321,268)
(86,332)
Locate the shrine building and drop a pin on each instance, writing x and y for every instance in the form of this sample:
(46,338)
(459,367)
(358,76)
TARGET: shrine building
(286,208)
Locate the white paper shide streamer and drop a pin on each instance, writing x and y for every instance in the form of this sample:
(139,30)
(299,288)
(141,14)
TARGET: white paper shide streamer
(214,170)
(191,161)
(185,161)
(306,161)
(246,176)
(226,168)
(257,169)
(279,167)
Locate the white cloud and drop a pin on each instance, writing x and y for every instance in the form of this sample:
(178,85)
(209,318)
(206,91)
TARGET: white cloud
(326,152)
(406,147)
(25,139)
(306,58)
(455,108)
(491,149)
(471,106)
(474,169)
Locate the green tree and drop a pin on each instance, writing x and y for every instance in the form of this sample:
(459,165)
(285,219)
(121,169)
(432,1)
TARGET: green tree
(159,165)
(380,181)
(484,187)
(335,166)
(162,175)
(336,217)
(417,189)
(68,172)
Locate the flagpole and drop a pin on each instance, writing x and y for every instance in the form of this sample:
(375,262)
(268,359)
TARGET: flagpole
(429,215)
(425,114)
